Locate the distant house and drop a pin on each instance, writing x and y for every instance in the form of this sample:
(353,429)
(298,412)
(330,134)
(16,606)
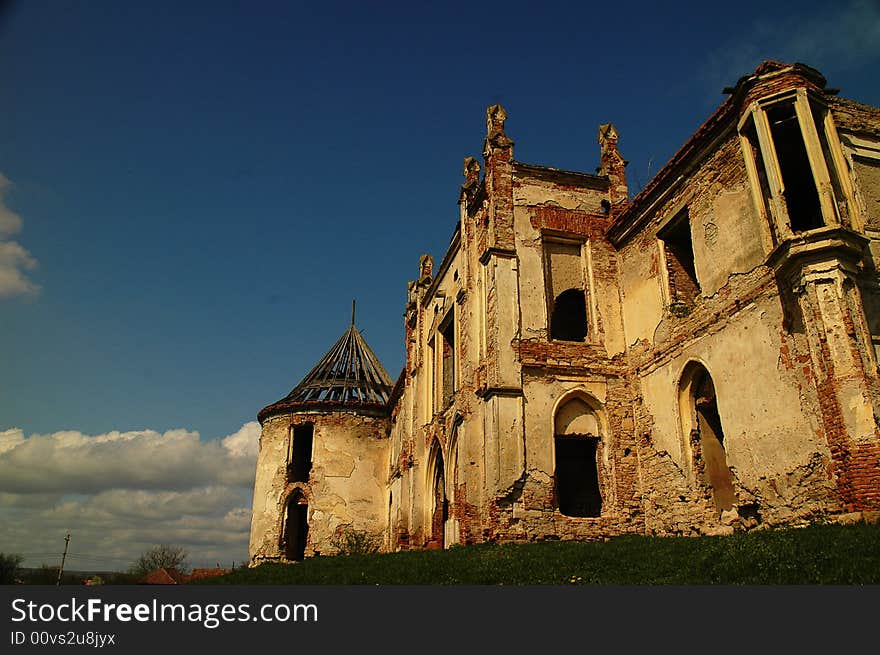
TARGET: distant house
(173,576)
(201,574)
(164,576)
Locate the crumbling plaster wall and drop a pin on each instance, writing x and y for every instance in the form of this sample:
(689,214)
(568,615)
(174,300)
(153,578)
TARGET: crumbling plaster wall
(269,485)
(350,460)
(569,208)
(346,485)
(726,234)
(534,513)
(422,417)
(544,210)
(773,438)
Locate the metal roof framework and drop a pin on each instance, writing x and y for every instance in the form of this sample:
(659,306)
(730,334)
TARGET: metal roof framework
(349,374)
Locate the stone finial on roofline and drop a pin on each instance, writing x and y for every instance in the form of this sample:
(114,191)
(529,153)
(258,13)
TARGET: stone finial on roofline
(471,171)
(613,165)
(495,136)
(426,268)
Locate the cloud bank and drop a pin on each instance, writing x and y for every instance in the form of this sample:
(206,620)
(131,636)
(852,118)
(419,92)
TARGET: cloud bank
(120,493)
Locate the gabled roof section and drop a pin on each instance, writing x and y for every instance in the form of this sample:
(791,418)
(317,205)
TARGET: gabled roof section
(349,376)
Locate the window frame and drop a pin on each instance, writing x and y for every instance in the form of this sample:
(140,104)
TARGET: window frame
(755,118)
(587,286)
(671,301)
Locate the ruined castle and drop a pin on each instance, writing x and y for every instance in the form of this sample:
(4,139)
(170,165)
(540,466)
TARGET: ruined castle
(698,359)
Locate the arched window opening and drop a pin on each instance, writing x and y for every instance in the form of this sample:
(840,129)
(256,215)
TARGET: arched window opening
(296,528)
(439,502)
(576,474)
(707,436)
(565,282)
(568,321)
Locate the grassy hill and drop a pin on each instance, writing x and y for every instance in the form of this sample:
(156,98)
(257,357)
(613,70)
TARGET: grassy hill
(819,554)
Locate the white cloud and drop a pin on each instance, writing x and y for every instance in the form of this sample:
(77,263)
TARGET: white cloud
(72,462)
(245,442)
(846,34)
(15,260)
(120,493)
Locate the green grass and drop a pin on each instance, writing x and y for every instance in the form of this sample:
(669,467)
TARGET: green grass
(819,554)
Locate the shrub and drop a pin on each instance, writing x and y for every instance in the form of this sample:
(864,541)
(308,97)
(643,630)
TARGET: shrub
(349,541)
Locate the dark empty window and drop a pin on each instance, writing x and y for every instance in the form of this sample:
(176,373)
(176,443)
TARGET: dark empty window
(801,195)
(301,453)
(871,305)
(577,480)
(440,505)
(680,267)
(447,332)
(576,474)
(296,528)
(568,320)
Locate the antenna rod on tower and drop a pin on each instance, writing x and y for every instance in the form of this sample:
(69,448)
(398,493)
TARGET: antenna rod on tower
(352,311)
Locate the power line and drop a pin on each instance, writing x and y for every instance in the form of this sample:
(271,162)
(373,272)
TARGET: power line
(71,555)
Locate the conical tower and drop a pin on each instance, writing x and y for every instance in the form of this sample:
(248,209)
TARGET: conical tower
(323,456)
(349,375)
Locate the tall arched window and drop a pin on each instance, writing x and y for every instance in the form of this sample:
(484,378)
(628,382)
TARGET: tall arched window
(577,433)
(704,431)
(296,527)
(439,504)
(565,282)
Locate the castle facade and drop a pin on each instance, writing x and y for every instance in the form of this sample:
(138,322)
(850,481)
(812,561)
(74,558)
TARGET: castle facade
(698,359)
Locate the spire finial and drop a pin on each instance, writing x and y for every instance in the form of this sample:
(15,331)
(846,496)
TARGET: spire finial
(352,312)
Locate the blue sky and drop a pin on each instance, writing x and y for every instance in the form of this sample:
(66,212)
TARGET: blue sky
(193,193)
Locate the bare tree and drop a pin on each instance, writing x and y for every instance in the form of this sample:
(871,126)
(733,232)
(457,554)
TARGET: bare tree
(162,556)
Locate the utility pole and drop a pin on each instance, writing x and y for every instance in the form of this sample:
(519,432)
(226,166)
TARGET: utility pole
(63,557)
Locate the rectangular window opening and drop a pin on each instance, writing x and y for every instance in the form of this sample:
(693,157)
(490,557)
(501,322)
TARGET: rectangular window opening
(447,332)
(564,284)
(871,306)
(432,378)
(818,112)
(751,136)
(680,265)
(801,194)
(300,465)
(867,170)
